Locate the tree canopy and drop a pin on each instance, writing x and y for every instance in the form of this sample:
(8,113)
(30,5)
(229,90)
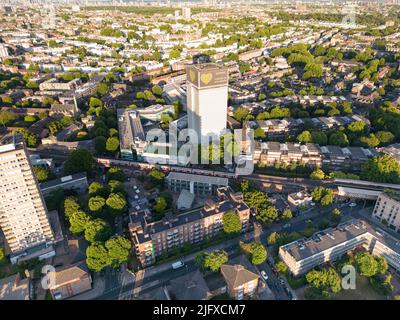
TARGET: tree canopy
(79,160)
(231,222)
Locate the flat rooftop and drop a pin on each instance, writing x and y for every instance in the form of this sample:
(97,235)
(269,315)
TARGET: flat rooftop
(333,237)
(198,178)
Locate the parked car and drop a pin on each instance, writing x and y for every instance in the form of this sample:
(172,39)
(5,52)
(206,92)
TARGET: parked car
(264,275)
(287,225)
(352,204)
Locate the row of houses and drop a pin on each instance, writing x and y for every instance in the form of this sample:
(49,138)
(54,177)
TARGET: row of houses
(311,154)
(275,128)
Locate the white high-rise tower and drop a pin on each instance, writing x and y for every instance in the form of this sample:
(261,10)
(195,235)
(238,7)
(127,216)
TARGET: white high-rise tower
(23,214)
(207,99)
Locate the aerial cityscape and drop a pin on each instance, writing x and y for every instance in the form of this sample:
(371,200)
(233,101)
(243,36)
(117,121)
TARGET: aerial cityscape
(213,150)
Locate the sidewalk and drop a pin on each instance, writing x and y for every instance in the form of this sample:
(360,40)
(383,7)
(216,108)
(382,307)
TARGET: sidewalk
(150,271)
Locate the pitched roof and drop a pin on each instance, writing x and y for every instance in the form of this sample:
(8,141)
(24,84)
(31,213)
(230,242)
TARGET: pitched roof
(191,286)
(237,275)
(72,273)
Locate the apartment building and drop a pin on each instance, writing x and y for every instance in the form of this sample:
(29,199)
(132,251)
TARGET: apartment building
(271,153)
(154,112)
(348,158)
(131,133)
(300,198)
(330,157)
(241,278)
(387,208)
(196,184)
(54,85)
(333,243)
(23,214)
(152,238)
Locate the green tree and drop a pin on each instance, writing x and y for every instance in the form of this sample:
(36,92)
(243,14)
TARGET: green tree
(7,117)
(96,204)
(97,189)
(324,280)
(160,205)
(97,230)
(112,144)
(381,169)
(116,186)
(156,89)
(100,144)
(287,214)
(385,137)
(327,199)
(30,119)
(272,238)
(382,265)
(157,176)
(281,267)
(259,133)
(336,214)
(366,264)
(304,137)
(97,257)
(241,114)
(214,260)
(78,220)
(339,138)
(115,173)
(118,250)
(95,102)
(319,137)
(70,206)
(256,200)
(42,174)
(2,255)
(371,141)
(79,160)
(317,174)
(258,253)
(231,222)
(116,203)
(267,214)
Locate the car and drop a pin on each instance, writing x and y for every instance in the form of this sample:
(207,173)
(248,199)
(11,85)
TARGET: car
(312,204)
(264,275)
(352,204)
(281,281)
(178,264)
(287,225)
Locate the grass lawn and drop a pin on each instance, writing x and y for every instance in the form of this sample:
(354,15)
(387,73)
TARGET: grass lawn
(363,291)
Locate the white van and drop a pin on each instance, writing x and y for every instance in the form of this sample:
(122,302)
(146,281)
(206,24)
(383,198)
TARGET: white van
(178,264)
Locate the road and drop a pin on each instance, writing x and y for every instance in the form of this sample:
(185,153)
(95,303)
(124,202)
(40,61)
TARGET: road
(156,276)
